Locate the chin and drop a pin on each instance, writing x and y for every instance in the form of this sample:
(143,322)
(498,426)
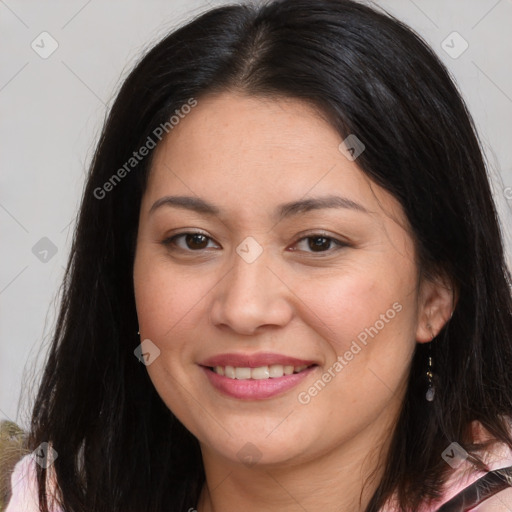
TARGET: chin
(255,449)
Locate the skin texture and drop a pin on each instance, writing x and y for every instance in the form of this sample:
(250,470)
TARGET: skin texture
(247,155)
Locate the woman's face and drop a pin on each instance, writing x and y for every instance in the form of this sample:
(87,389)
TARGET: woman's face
(301,265)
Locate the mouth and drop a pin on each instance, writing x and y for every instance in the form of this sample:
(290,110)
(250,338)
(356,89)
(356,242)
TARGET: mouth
(274,371)
(256,377)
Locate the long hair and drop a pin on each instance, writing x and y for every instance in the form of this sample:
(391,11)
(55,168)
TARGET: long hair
(120,449)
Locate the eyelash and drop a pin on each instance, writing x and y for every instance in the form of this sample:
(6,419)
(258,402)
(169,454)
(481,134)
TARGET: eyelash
(169,242)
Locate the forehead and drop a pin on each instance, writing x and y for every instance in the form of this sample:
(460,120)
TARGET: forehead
(235,127)
(254,151)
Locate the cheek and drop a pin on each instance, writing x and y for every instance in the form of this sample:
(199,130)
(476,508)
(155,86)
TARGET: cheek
(165,303)
(343,307)
(164,297)
(367,327)
(367,323)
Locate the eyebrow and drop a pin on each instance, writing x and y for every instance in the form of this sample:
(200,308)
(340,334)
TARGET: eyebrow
(290,209)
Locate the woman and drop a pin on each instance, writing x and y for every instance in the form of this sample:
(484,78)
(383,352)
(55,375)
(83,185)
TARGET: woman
(287,288)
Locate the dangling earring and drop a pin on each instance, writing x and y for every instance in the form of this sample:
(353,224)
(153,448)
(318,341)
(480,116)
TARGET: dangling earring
(431,389)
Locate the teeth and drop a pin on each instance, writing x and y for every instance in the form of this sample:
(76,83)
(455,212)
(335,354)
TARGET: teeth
(276,370)
(243,373)
(262,372)
(288,370)
(273,371)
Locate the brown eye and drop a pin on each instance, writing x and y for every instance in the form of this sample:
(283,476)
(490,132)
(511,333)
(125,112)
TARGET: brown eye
(196,241)
(319,243)
(188,241)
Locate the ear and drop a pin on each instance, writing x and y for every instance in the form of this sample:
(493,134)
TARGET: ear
(436,302)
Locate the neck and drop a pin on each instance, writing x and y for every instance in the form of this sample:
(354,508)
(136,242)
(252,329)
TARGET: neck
(342,479)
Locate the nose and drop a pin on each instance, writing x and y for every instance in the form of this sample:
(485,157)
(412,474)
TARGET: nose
(251,297)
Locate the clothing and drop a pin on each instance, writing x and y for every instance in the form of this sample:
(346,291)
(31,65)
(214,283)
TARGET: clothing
(500,456)
(24,488)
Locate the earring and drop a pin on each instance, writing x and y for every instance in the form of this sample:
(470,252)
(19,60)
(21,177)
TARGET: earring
(431,389)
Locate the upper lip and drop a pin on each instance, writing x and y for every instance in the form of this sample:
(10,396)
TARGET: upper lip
(254,360)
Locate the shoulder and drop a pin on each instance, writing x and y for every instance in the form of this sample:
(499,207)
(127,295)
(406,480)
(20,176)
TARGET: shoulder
(23,487)
(501,502)
(24,492)
(464,475)
(467,478)
(498,457)
(12,449)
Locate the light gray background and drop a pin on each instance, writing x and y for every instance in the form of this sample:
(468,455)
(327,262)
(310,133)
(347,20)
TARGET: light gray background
(52,110)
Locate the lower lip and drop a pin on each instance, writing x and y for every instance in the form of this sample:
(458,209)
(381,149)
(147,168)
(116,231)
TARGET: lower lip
(254,389)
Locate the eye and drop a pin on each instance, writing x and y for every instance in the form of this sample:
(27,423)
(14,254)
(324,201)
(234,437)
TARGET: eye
(190,241)
(196,241)
(319,242)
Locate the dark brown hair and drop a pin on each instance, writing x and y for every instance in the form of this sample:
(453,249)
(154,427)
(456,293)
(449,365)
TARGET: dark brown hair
(120,448)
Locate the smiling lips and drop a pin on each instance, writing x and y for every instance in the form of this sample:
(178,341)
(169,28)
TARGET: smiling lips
(273,371)
(255,376)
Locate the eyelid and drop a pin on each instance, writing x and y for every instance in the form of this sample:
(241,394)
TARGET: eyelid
(319,232)
(190,231)
(169,240)
(299,238)
(339,243)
